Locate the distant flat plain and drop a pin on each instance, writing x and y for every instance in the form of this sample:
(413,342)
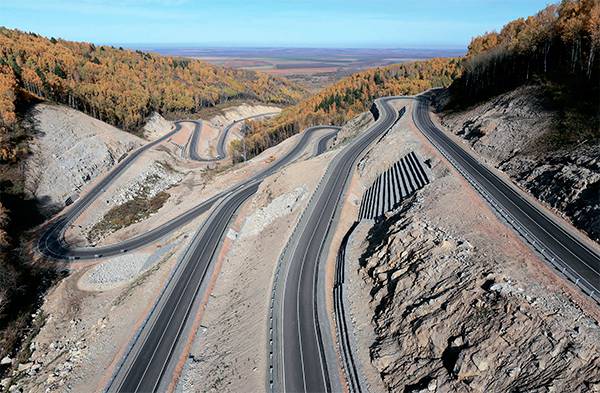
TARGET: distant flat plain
(312,67)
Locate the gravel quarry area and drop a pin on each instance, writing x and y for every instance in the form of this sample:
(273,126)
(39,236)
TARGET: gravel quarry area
(280,206)
(457,302)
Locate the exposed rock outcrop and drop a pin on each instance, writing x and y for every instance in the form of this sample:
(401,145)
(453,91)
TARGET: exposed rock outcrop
(449,319)
(70,150)
(516,134)
(157,126)
(353,127)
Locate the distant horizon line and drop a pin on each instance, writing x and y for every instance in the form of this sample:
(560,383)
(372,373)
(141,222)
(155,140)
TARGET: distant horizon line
(243,46)
(134,45)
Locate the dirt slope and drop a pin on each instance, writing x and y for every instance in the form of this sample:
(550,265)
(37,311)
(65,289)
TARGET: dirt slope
(70,150)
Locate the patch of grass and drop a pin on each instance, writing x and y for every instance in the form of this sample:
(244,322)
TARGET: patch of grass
(135,210)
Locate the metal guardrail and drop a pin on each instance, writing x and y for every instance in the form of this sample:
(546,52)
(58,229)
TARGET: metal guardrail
(282,267)
(554,260)
(343,336)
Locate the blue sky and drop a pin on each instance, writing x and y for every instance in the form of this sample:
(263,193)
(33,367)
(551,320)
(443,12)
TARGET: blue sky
(290,23)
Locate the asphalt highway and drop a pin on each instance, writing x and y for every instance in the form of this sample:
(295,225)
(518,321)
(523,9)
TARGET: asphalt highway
(300,347)
(52,243)
(568,253)
(221,148)
(148,361)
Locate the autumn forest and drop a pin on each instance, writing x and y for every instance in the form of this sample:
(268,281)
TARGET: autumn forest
(558,48)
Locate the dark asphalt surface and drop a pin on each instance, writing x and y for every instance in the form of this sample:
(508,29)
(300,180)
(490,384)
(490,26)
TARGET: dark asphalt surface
(221,148)
(150,357)
(304,366)
(571,256)
(193,148)
(52,244)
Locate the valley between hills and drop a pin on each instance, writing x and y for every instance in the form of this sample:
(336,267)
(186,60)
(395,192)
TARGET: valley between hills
(246,220)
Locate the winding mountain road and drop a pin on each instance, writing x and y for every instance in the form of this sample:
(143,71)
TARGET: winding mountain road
(300,340)
(52,243)
(302,345)
(148,362)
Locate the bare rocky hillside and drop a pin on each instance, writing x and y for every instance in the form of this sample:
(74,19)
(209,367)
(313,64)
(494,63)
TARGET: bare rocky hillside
(70,150)
(447,317)
(517,134)
(457,302)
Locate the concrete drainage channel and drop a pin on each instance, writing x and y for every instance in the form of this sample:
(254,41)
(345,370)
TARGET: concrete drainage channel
(387,192)
(389,189)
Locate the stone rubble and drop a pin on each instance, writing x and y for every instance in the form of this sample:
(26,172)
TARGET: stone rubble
(279,207)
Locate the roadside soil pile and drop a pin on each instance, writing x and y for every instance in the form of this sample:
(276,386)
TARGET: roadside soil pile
(457,302)
(70,150)
(156,126)
(517,134)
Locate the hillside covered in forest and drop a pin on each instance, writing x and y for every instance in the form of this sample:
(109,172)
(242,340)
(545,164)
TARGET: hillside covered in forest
(345,99)
(559,45)
(558,51)
(118,86)
(528,100)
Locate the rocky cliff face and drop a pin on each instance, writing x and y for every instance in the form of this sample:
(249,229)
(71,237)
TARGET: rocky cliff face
(156,126)
(70,150)
(449,318)
(516,134)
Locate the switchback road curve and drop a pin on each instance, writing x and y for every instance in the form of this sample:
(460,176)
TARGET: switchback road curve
(53,245)
(221,148)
